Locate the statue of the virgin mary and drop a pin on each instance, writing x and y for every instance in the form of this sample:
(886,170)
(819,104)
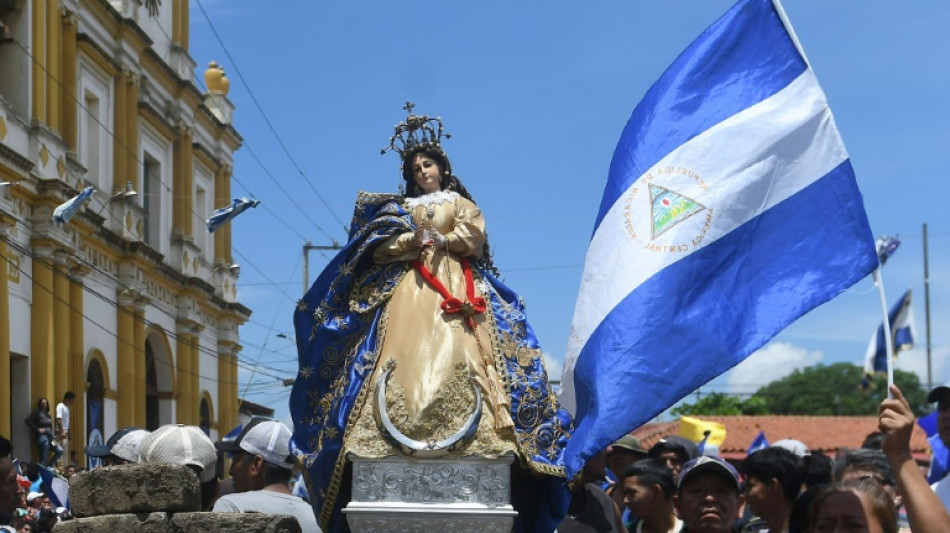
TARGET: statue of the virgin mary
(411,312)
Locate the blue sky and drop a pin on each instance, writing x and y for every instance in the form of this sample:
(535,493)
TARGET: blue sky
(536,95)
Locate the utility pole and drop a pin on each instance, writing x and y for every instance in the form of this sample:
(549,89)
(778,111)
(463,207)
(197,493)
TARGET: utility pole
(306,259)
(930,381)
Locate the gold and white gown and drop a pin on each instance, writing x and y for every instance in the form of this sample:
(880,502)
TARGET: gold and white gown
(429,395)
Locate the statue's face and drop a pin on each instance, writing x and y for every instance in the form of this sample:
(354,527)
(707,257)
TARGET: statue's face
(426,173)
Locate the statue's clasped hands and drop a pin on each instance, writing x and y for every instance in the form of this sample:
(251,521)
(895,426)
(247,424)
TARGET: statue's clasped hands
(428,236)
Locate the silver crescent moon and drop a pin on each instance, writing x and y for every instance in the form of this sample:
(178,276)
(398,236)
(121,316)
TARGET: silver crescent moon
(416,448)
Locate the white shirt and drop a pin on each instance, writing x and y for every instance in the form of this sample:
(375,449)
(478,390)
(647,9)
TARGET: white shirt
(62,413)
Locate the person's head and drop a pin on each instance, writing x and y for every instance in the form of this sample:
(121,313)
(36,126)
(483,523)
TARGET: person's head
(818,469)
(178,444)
(798,520)
(22,525)
(35,500)
(873,441)
(852,506)
(771,476)
(69,397)
(648,487)
(869,465)
(9,490)
(122,447)
(941,396)
(261,455)
(797,447)
(42,404)
(71,471)
(427,161)
(622,453)
(676,451)
(46,519)
(32,471)
(707,496)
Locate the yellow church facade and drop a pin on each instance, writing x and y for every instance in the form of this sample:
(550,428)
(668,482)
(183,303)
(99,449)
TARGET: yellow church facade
(131,304)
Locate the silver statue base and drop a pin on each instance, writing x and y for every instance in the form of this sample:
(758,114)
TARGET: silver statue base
(407,495)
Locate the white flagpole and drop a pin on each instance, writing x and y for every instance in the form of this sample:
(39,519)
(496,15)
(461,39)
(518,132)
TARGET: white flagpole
(888,340)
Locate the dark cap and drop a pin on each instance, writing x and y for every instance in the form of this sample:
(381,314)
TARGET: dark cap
(677,444)
(708,464)
(938,392)
(102,450)
(629,443)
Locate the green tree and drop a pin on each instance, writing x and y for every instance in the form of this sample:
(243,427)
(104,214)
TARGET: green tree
(834,390)
(718,403)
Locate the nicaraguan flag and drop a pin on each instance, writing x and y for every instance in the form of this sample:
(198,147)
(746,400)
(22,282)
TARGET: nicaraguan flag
(760,443)
(67,209)
(730,210)
(901,319)
(224,214)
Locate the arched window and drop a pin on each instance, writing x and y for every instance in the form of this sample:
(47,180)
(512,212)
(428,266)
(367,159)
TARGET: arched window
(152,416)
(95,393)
(204,417)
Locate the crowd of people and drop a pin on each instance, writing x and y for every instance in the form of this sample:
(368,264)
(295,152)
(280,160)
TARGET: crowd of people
(261,471)
(672,488)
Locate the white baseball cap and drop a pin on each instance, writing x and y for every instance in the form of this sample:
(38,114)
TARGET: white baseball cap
(130,444)
(177,444)
(265,437)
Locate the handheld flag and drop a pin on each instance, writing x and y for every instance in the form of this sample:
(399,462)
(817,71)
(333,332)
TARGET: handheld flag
(224,214)
(760,443)
(55,486)
(67,209)
(730,210)
(901,320)
(886,246)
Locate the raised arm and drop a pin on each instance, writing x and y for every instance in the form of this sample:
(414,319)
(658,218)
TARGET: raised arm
(925,511)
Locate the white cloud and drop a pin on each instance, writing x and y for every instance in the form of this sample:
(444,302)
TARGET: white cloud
(554,366)
(915,360)
(773,362)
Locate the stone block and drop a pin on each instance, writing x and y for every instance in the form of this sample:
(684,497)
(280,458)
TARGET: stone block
(233,523)
(117,523)
(140,488)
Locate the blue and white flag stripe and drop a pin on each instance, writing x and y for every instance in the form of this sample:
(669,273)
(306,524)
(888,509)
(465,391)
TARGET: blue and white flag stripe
(901,320)
(723,72)
(738,158)
(771,224)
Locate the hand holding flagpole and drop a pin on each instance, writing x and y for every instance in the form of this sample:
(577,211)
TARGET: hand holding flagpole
(885,247)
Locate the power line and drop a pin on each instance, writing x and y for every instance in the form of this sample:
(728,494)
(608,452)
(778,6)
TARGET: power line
(135,157)
(264,115)
(114,304)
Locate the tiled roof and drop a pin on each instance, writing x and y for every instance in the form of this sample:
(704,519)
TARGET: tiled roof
(820,433)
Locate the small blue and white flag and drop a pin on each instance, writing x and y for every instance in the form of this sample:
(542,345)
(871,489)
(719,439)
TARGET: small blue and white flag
(886,246)
(224,214)
(760,443)
(730,210)
(67,209)
(903,332)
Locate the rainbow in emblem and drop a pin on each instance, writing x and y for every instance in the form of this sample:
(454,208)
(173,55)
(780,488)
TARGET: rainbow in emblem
(670,208)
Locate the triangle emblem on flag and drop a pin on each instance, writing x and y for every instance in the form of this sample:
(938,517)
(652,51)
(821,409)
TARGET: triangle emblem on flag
(669,208)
